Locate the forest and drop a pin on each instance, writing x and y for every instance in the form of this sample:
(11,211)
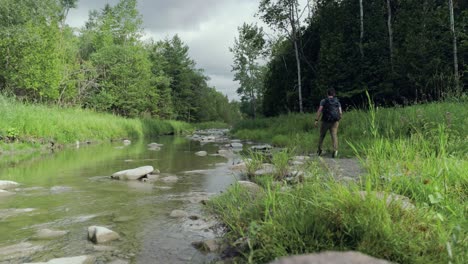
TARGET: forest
(104,66)
(401,51)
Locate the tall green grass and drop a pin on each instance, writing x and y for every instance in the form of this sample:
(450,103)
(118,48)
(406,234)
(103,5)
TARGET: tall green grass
(420,152)
(297,130)
(38,124)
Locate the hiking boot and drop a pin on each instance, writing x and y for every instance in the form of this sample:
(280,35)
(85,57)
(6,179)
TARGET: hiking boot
(335,154)
(319,152)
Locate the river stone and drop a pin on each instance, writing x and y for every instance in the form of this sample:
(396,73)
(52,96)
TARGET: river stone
(266,169)
(20,250)
(251,187)
(207,245)
(390,198)
(4,185)
(45,234)
(98,234)
(70,260)
(154,145)
(349,257)
(201,153)
(241,167)
(127,142)
(4,193)
(133,174)
(178,214)
(261,147)
(236,145)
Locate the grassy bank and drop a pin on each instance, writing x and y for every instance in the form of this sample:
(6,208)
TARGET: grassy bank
(28,126)
(419,152)
(297,130)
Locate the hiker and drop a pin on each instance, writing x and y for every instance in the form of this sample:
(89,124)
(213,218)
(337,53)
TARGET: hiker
(330,111)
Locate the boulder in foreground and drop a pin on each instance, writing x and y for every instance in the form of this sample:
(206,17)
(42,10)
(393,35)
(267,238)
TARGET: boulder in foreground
(349,257)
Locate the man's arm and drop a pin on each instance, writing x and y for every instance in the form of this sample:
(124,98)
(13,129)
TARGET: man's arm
(319,114)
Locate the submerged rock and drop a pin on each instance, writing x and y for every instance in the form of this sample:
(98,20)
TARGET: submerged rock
(98,234)
(20,250)
(4,193)
(133,174)
(178,214)
(201,153)
(70,260)
(5,185)
(45,234)
(170,179)
(127,142)
(207,245)
(5,213)
(349,257)
(236,145)
(60,189)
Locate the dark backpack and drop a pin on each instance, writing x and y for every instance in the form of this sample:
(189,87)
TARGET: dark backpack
(331,111)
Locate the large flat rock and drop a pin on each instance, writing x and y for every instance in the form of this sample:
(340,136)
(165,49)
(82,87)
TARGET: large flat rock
(20,250)
(349,257)
(71,260)
(133,174)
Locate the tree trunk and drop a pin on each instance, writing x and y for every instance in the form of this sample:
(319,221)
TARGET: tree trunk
(361,9)
(294,38)
(455,57)
(390,32)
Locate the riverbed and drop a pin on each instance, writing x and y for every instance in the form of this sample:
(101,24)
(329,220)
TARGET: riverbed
(71,190)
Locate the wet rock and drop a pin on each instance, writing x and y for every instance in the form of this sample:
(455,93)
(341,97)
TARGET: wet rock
(201,153)
(194,217)
(70,260)
(225,153)
(133,174)
(178,214)
(5,213)
(170,179)
(20,250)
(350,257)
(154,145)
(296,163)
(390,198)
(98,234)
(236,145)
(241,167)
(60,189)
(266,169)
(207,245)
(261,147)
(5,185)
(4,193)
(127,142)
(251,187)
(47,234)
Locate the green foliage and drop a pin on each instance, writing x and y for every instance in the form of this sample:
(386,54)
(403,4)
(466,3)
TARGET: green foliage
(421,68)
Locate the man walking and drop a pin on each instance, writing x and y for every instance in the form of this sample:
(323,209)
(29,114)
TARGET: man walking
(330,111)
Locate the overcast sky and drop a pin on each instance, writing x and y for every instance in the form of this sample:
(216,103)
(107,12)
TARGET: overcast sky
(208,27)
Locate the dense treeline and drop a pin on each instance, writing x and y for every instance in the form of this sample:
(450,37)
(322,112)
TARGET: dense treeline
(402,52)
(103,66)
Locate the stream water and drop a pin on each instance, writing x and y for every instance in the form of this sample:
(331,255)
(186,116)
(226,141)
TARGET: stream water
(70,190)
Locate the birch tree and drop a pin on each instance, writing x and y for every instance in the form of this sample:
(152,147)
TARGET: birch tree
(248,48)
(454,38)
(283,16)
(361,38)
(390,31)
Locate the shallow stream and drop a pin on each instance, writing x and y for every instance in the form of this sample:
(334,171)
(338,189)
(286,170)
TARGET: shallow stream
(70,190)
